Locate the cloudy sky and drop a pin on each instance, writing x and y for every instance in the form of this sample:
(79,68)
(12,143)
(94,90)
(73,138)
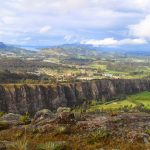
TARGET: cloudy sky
(99,22)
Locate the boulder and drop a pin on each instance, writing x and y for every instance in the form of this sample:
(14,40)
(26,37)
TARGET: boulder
(63,109)
(43,114)
(66,118)
(11,118)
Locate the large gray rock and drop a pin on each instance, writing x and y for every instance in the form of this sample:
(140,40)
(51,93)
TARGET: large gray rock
(65,118)
(11,118)
(43,114)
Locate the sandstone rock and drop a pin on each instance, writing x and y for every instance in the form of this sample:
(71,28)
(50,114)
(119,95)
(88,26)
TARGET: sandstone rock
(63,109)
(11,118)
(66,118)
(43,114)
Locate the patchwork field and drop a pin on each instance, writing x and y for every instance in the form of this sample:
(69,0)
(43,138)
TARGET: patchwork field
(130,101)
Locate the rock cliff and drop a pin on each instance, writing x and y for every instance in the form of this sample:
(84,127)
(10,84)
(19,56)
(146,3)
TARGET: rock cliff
(31,98)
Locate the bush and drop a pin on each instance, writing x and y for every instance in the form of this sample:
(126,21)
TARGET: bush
(93,103)
(25,119)
(1,114)
(4,125)
(20,144)
(140,107)
(77,115)
(147,131)
(97,135)
(62,130)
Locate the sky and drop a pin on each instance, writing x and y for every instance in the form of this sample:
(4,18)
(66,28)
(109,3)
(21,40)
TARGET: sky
(107,23)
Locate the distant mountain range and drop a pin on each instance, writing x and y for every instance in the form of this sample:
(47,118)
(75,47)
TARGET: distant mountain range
(76,49)
(2,45)
(132,49)
(4,48)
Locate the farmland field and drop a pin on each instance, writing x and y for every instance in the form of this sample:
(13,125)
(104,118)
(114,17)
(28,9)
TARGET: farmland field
(130,101)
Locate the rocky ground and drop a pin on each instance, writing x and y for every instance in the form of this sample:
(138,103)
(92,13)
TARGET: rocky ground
(66,130)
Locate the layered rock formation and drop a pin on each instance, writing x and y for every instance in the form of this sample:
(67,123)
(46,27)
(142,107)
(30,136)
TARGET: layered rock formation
(31,98)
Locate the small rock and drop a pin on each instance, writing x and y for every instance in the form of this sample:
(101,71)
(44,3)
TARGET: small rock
(145,140)
(63,109)
(11,118)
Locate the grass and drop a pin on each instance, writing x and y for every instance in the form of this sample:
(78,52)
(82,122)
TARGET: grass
(1,113)
(98,66)
(133,100)
(20,144)
(59,145)
(53,60)
(3,125)
(25,118)
(97,135)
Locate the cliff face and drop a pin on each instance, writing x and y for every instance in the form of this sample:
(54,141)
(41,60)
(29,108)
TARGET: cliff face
(31,98)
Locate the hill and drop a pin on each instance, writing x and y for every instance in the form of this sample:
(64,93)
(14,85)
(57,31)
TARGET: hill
(6,49)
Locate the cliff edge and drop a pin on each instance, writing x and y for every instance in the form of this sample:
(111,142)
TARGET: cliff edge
(31,98)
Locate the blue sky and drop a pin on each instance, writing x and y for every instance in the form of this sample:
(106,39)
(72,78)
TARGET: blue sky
(108,23)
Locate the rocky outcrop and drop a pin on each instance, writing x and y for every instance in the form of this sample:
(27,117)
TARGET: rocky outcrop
(31,98)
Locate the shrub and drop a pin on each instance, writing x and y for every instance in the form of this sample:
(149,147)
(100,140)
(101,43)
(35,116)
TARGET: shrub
(77,115)
(20,144)
(147,131)
(1,114)
(4,125)
(97,135)
(18,134)
(93,103)
(62,130)
(25,119)
(140,107)
(126,108)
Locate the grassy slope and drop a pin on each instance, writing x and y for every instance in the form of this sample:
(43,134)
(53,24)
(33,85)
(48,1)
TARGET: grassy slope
(133,100)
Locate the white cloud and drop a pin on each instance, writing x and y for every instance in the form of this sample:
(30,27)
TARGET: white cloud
(142,29)
(104,42)
(72,38)
(126,5)
(143,5)
(45,29)
(37,18)
(132,42)
(114,42)
(68,37)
